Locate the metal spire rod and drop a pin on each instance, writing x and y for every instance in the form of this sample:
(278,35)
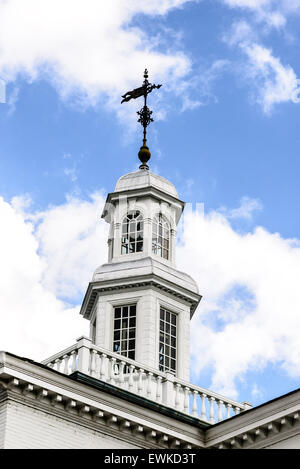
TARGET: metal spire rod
(144,115)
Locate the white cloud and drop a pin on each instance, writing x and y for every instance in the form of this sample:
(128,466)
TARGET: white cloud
(263,11)
(202,83)
(12,100)
(190,104)
(93,52)
(256,392)
(72,173)
(245,210)
(250,312)
(2,91)
(47,260)
(251,4)
(72,238)
(276,83)
(240,32)
(89,49)
(285,6)
(271,81)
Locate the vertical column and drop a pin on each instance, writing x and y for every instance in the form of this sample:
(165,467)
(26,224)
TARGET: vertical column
(103,323)
(183,344)
(116,222)
(117,239)
(147,247)
(84,346)
(110,242)
(146,333)
(172,247)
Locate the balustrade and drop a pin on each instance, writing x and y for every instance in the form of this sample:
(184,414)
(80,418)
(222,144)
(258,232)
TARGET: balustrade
(163,388)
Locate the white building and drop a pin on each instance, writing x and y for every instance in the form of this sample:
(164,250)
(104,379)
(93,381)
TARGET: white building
(127,385)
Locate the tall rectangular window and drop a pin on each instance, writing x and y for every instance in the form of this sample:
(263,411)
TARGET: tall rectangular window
(132,233)
(124,330)
(167,340)
(160,237)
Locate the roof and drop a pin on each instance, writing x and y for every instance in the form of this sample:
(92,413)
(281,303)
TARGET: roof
(144,266)
(145,178)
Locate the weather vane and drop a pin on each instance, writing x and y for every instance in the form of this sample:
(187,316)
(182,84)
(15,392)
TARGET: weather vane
(144,115)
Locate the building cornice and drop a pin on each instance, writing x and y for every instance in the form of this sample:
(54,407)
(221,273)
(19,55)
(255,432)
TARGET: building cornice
(137,283)
(102,407)
(149,191)
(80,399)
(259,427)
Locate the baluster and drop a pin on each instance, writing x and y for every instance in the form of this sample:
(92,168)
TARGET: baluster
(126,372)
(58,364)
(74,364)
(177,395)
(228,407)
(203,408)
(149,383)
(159,389)
(66,364)
(51,365)
(194,408)
(103,367)
(237,410)
(112,370)
(130,379)
(220,418)
(121,374)
(97,365)
(140,382)
(93,363)
(211,410)
(186,400)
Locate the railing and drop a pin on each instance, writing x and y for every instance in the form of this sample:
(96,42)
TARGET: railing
(163,388)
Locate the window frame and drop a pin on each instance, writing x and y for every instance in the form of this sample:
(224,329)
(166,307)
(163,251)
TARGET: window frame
(132,241)
(162,366)
(161,244)
(115,329)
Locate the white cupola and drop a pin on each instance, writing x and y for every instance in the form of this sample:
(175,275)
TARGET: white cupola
(138,303)
(143,212)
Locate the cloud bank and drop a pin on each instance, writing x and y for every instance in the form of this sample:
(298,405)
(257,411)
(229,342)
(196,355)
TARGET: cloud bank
(89,48)
(250,313)
(47,260)
(93,51)
(272,81)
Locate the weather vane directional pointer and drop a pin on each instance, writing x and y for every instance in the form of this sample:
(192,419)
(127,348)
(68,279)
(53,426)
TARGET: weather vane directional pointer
(144,115)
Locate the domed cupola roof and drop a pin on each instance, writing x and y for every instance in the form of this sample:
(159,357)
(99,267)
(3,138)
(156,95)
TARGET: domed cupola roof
(142,179)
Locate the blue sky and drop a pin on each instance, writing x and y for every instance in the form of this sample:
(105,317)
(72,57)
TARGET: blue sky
(226,133)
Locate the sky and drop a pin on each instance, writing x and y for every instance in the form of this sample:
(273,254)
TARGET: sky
(226,133)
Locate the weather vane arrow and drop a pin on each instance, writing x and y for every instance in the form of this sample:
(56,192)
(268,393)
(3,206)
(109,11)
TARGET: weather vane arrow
(144,115)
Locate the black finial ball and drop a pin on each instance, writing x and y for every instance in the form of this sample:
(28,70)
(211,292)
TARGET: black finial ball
(144,154)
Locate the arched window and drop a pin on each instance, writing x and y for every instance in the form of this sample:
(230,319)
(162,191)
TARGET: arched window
(160,236)
(132,233)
